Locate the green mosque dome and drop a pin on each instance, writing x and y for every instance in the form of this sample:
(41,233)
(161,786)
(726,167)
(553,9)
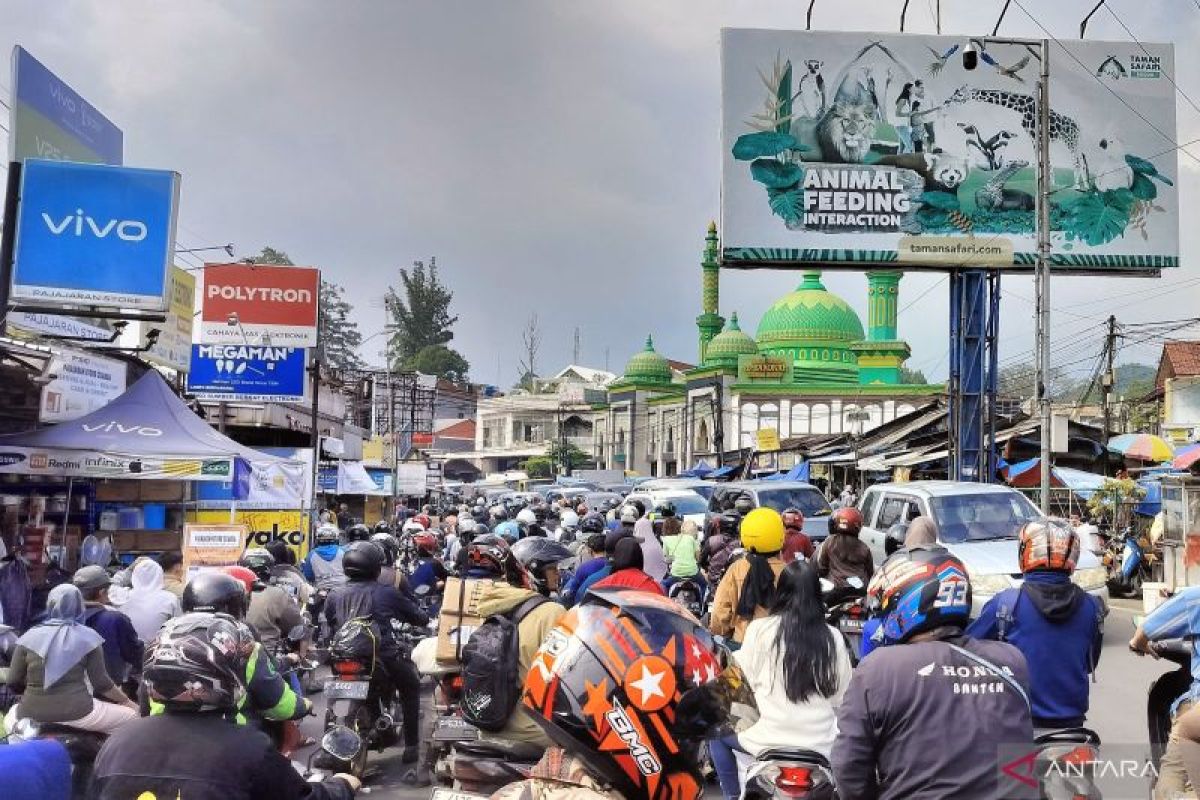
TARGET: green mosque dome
(647,366)
(814,328)
(727,345)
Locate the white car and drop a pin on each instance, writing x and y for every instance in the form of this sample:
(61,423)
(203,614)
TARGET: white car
(688,504)
(977,522)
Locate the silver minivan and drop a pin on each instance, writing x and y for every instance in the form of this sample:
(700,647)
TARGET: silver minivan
(977,522)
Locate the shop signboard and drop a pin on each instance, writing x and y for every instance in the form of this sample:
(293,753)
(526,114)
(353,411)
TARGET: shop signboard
(270,485)
(260,527)
(260,304)
(24,324)
(103,464)
(764,369)
(247,372)
(92,235)
(51,120)
(767,440)
(173,348)
(411,479)
(860,149)
(210,546)
(82,383)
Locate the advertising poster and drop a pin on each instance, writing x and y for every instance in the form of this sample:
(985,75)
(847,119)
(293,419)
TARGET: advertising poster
(92,235)
(173,349)
(261,527)
(103,464)
(247,372)
(219,544)
(260,305)
(861,148)
(83,383)
(271,485)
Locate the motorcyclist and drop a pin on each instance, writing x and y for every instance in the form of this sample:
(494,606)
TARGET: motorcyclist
(1056,625)
(540,556)
(195,675)
(323,564)
(592,560)
(843,556)
(388,575)
(286,574)
(668,522)
(719,547)
(357,533)
(748,586)
(123,650)
(924,716)
(267,694)
(527,522)
(504,589)
(580,700)
(796,541)
(364,596)
(568,525)
(429,574)
(626,569)
(273,613)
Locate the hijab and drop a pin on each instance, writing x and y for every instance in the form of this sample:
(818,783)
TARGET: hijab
(627,555)
(921,533)
(652,552)
(145,578)
(62,640)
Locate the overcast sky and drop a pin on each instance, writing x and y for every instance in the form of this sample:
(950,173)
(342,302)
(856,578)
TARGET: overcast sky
(557,157)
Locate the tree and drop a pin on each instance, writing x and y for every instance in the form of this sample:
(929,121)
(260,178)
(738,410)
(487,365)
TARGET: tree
(538,467)
(439,360)
(567,456)
(912,377)
(1114,501)
(338,332)
(420,312)
(531,342)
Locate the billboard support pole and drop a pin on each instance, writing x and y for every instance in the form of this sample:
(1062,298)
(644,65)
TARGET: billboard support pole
(1043,271)
(8,235)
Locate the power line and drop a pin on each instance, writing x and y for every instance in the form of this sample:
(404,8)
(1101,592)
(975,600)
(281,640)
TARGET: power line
(1171,80)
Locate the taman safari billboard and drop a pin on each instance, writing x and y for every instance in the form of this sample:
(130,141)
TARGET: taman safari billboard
(859,148)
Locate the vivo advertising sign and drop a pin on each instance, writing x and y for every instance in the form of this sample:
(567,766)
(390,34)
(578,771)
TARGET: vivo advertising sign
(92,235)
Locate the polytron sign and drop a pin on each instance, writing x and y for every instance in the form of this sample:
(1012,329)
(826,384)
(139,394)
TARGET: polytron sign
(252,304)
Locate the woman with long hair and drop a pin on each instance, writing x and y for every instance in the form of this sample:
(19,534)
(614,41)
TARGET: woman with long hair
(798,668)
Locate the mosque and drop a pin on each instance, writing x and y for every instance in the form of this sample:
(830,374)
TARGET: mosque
(810,368)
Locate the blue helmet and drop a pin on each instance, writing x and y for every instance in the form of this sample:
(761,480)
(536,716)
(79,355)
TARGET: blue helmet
(920,590)
(509,529)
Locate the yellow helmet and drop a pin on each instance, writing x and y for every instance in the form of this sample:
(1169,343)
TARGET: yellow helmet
(762,531)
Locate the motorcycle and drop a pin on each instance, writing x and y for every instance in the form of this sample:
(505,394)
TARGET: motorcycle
(1129,562)
(338,745)
(850,617)
(1163,692)
(688,594)
(81,746)
(482,766)
(790,774)
(1065,764)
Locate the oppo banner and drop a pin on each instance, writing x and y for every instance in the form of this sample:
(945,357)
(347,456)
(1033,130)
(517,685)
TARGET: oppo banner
(254,304)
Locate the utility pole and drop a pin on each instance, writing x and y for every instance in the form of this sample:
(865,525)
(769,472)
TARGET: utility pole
(576,358)
(1043,271)
(1106,384)
(719,427)
(314,371)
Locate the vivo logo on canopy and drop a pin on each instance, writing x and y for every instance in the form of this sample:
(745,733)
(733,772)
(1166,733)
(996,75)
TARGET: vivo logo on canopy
(129,230)
(116,427)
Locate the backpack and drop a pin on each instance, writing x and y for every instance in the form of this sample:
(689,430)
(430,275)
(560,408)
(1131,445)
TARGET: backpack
(356,640)
(491,672)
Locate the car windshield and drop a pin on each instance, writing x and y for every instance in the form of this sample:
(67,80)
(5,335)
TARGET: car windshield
(685,503)
(810,501)
(977,517)
(704,490)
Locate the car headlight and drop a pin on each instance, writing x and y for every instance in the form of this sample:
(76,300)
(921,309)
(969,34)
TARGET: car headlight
(1090,578)
(994,583)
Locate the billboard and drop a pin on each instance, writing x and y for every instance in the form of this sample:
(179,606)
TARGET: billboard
(261,527)
(173,348)
(93,235)
(854,149)
(82,383)
(247,372)
(50,120)
(260,304)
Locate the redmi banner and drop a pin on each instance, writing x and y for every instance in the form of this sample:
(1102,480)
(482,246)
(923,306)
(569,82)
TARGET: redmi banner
(258,304)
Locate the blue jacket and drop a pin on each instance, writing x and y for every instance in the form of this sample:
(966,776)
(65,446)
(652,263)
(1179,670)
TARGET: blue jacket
(586,570)
(325,551)
(122,648)
(599,575)
(1059,629)
(39,770)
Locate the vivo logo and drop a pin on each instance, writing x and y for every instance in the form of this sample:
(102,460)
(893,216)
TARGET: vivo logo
(129,230)
(116,427)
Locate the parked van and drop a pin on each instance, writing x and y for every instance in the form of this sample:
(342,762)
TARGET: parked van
(977,522)
(779,495)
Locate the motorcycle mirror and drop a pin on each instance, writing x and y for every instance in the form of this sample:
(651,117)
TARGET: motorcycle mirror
(341,743)
(855,582)
(827,586)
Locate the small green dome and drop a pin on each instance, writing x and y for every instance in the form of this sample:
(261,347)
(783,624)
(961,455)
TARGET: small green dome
(648,366)
(727,345)
(814,328)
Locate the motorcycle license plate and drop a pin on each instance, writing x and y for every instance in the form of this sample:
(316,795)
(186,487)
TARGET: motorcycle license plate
(455,729)
(850,625)
(454,794)
(346,690)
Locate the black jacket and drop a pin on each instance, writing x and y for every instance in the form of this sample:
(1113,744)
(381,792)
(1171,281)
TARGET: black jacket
(200,757)
(375,600)
(924,722)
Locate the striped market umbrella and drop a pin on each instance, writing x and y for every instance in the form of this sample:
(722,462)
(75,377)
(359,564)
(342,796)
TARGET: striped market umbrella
(1186,456)
(1141,447)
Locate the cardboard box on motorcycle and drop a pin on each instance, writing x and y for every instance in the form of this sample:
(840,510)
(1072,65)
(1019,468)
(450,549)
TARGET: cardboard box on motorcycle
(459,617)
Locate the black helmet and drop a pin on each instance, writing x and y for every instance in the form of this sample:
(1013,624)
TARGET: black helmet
(744,504)
(592,523)
(586,702)
(538,554)
(215,592)
(363,561)
(666,509)
(258,561)
(639,505)
(198,662)
(358,533)
(383,526)
(729,522)
(391,547)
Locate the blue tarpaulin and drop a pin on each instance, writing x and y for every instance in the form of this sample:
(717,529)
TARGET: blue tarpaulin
(1152,503)
(701,469)
(800,472)
(724,472)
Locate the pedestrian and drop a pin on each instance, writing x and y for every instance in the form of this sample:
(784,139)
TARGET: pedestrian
(173,577)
